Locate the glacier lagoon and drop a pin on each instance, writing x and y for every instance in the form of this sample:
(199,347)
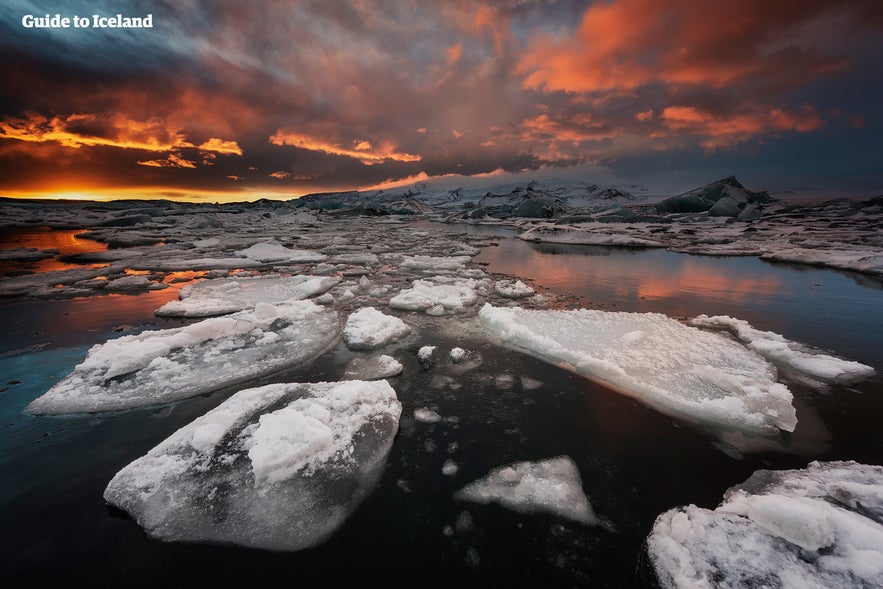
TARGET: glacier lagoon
(635,463)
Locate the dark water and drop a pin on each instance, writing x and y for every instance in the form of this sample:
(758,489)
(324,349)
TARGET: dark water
(635,463)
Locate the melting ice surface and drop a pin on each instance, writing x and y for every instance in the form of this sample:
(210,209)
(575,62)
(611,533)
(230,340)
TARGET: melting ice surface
(167,365)
(775,347)
(228,295)
(816,528)
(679,370)
(278,467)
(546,486)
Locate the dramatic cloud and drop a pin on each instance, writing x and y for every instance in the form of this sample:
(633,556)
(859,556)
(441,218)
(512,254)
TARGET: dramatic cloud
(290,98)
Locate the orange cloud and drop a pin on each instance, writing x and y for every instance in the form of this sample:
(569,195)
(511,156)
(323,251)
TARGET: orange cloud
(728,131)
(107,129)
(219,146)
(624,44)
(362,150)
(173,160)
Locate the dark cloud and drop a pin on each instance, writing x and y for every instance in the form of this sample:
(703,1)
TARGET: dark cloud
(333,95)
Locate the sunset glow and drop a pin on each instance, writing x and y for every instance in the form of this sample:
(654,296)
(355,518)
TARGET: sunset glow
(278,101)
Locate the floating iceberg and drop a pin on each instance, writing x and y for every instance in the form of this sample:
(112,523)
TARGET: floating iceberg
(778,349)
(436,298)
(171,364)
(369,329)
(594,234)
(372,368)
(435,264)
(547,486)
(228,295)
(818,528)
(513,289)
(273,251)
(679,370)
(278,467)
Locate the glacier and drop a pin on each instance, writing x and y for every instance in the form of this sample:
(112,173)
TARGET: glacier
(278,467)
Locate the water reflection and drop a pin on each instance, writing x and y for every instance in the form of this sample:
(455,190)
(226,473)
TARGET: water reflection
(823,308)
(42,238)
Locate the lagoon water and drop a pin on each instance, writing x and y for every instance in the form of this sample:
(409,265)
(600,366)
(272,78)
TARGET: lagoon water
(634,462)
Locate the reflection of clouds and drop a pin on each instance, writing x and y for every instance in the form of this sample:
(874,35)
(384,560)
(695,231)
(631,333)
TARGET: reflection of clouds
(684,284)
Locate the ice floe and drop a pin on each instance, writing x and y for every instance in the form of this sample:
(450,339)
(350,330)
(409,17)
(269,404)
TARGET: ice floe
(586,235)
(815,528)
(278,467)
(273,251)
(372,368)
(437,296)
(369,329)
(228,295)
(513,289)
(793,354)
(546,486)
(679,370)
(167,365)
(426,415)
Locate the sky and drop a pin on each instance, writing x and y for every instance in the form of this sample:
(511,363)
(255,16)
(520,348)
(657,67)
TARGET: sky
(231,100)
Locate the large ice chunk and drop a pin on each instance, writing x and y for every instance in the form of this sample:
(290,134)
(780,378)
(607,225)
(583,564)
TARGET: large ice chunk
(167,365)
(228,295)
(369,329)
(820,527)
(547,486)
(679,370)
(797,356)
(279,467)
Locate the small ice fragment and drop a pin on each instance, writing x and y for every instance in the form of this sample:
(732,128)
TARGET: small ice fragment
(457,355)
(372,368)
(513,289)
(424,355)
(547,486)
(450,468)
(426,415)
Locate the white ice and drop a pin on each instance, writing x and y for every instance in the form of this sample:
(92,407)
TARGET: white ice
(434,264)
(273,251)
(513,289)
(547,486)
(228,295)
(426,415)
(588,234)
(779,349)
(820,527)
(167,365)
(369,329)
(278,467)
(372,368)
(679,370)
(437,296)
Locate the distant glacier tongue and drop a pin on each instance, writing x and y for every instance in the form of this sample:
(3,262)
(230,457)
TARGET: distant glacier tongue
(678,370)
(278,467)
